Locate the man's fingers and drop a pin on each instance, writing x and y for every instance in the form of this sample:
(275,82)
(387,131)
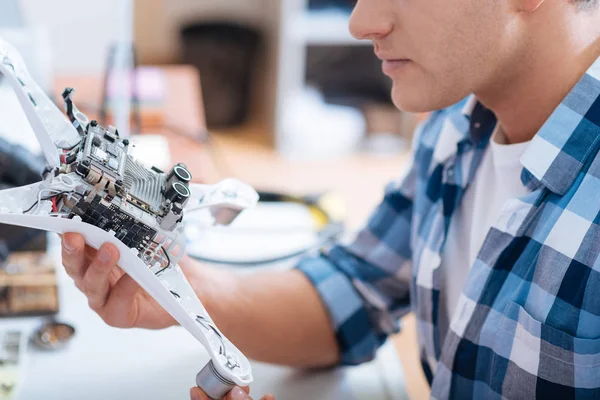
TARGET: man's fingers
(121,308)
(237,393)
(197,394)
(73,255)
(95,283)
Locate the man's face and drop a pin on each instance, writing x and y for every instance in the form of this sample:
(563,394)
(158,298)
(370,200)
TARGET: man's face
(439,51)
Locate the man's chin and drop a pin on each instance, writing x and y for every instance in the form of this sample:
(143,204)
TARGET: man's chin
(408,101)
(414,100)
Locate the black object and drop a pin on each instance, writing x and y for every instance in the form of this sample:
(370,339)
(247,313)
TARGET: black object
(19,167)
(347,75)
(346,5)
(180,172)
(127,229)
(225,55)
(177,192)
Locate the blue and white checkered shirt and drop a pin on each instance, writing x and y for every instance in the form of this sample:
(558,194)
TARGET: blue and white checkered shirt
(528,321)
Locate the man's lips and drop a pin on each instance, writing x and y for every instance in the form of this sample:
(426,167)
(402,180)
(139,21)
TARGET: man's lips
(392,63)
(393,66)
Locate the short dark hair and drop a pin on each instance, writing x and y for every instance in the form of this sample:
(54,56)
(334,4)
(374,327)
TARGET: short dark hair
(586,3)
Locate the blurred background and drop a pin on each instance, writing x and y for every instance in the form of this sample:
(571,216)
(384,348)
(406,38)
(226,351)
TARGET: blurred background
(257,59)
(273,92)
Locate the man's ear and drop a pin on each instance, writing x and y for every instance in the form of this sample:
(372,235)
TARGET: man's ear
(527,5)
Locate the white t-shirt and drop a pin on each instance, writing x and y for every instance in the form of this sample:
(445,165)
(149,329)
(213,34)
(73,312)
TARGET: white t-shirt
(497,180)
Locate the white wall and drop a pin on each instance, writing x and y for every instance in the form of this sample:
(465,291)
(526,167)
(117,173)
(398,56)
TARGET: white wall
(80,31)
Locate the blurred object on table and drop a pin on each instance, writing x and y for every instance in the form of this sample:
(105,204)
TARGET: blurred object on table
(280,230)
(53,336)
(13,345)
(225,55)
(317,130)
(28,285)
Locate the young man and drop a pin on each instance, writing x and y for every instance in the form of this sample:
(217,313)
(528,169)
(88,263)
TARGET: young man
(492,238)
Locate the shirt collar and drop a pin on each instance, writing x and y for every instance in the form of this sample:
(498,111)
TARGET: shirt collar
(559,150)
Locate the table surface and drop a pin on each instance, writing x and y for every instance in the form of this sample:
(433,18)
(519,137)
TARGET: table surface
(104,362)
(123,364)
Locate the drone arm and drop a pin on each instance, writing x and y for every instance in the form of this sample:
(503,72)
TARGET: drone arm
(50,126)
(171,291)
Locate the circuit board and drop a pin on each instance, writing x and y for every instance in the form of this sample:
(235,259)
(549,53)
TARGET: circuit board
(142,206)
(127,229)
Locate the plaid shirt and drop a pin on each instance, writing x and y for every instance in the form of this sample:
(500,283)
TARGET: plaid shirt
(527,323)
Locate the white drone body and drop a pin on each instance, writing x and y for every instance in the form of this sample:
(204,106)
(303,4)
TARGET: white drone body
(92,186)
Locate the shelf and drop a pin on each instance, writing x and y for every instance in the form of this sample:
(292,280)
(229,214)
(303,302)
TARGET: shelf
(322,27)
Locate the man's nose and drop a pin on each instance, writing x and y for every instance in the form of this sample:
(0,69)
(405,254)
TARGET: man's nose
(371,19)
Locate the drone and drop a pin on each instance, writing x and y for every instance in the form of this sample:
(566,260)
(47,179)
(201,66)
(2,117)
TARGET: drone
(93,186)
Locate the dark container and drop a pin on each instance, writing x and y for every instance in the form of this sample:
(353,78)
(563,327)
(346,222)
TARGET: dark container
(225,55)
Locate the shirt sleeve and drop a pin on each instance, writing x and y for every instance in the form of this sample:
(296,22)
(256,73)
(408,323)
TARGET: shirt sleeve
(365,285)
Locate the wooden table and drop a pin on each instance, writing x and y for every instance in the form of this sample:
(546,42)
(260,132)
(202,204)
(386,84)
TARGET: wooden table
(358,179)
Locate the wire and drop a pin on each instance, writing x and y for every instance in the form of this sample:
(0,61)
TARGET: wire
(68,148)
(168,262)
(45,198)
(208,326)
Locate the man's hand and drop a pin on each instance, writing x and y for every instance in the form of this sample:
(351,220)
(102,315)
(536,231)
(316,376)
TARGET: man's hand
(253,311)
(113,294)
(236,393)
